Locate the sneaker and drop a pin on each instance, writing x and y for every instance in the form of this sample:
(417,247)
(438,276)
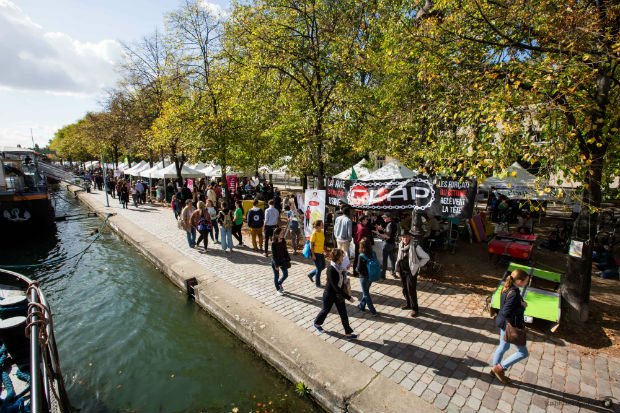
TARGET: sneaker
(375,314)
(319,329)
(351,336)
(281,289)
(359,307)
(311,277)
(231,250)
(280,292)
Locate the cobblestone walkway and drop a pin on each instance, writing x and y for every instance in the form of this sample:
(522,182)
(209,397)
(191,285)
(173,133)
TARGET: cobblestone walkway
(441,356)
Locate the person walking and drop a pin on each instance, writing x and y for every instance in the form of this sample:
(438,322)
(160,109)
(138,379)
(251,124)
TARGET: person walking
(317,246)
(511,310)
(139,190)
(238,224)
(190,231)
(411,258)
(389,245)
(175,204)
(280,259)
(361,231)
(211,194)
(214,233)
(272,218)
(343,230)
(119,186)
(255,220)
(225,219)
(202,223)
(293,227)
(335,293)
(135,196)
(366,254)
(124,196)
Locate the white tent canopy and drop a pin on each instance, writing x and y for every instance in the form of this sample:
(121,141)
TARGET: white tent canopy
(199,166)
(213,170)
(518,178)
(391,170)
(136,171)
(137,166)
(170,171)
(150,172)
(360,170)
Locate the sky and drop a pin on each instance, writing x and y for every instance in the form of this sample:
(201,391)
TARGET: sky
(58,57)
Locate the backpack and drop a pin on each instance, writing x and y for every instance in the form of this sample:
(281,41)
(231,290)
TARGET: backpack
(255,219)
(227,222)
(204,224)
(294,223)
(373,267)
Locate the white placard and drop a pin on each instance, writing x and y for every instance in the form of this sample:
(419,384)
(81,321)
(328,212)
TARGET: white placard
(314,208)
(576,248)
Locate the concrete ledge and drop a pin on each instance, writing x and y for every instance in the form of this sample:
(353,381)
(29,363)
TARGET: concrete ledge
(336,381)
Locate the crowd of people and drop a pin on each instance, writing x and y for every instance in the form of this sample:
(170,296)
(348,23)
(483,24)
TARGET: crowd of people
(206,212)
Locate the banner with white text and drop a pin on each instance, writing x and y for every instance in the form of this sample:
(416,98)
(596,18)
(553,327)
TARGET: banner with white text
(450,198)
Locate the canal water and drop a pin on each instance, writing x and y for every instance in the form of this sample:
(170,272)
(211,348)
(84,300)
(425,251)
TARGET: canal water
(130,341)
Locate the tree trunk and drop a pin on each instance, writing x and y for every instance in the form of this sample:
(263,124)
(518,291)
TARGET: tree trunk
(115,157)
(577,281)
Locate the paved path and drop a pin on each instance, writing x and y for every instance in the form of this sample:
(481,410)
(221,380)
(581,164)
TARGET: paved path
(441,356)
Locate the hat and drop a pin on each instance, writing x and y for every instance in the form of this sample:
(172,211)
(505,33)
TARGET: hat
(386,216)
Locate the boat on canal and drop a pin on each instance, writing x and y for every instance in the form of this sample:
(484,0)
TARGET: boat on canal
(25,206)
(31,377)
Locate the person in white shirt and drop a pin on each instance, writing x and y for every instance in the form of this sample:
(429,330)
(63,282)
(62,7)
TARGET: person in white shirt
(343,231)
(272,218)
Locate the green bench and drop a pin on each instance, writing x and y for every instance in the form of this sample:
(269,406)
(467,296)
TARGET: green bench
(543,301)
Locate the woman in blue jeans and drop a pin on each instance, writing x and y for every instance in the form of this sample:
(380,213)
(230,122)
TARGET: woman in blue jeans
(512,308)
(281,260)
(362,269)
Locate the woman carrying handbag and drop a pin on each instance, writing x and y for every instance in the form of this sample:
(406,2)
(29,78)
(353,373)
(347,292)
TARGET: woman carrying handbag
(511,325)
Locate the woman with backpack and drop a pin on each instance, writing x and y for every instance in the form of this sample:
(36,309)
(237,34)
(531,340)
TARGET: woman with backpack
(280,259)
(511,311)
(369,270)
(202,222)
(335,293)
(225,219)
(214,228)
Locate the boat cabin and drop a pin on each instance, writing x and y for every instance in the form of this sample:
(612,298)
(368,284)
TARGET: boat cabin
(19,171)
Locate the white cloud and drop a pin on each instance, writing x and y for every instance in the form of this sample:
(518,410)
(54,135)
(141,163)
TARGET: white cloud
(215,9)
(34,59)
(20,135)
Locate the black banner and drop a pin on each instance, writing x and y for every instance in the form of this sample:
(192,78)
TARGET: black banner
(436,196)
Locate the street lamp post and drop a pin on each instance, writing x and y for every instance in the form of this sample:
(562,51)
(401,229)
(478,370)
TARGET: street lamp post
(105,182)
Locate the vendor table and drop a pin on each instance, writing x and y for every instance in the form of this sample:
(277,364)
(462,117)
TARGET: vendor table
(516,236)
(541,294)
(521,250)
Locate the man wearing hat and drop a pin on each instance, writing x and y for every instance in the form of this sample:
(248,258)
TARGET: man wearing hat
(389,245)
(411,257)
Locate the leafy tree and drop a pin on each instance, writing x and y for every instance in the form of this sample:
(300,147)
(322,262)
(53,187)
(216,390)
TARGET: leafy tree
(311,45)
(481,84)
